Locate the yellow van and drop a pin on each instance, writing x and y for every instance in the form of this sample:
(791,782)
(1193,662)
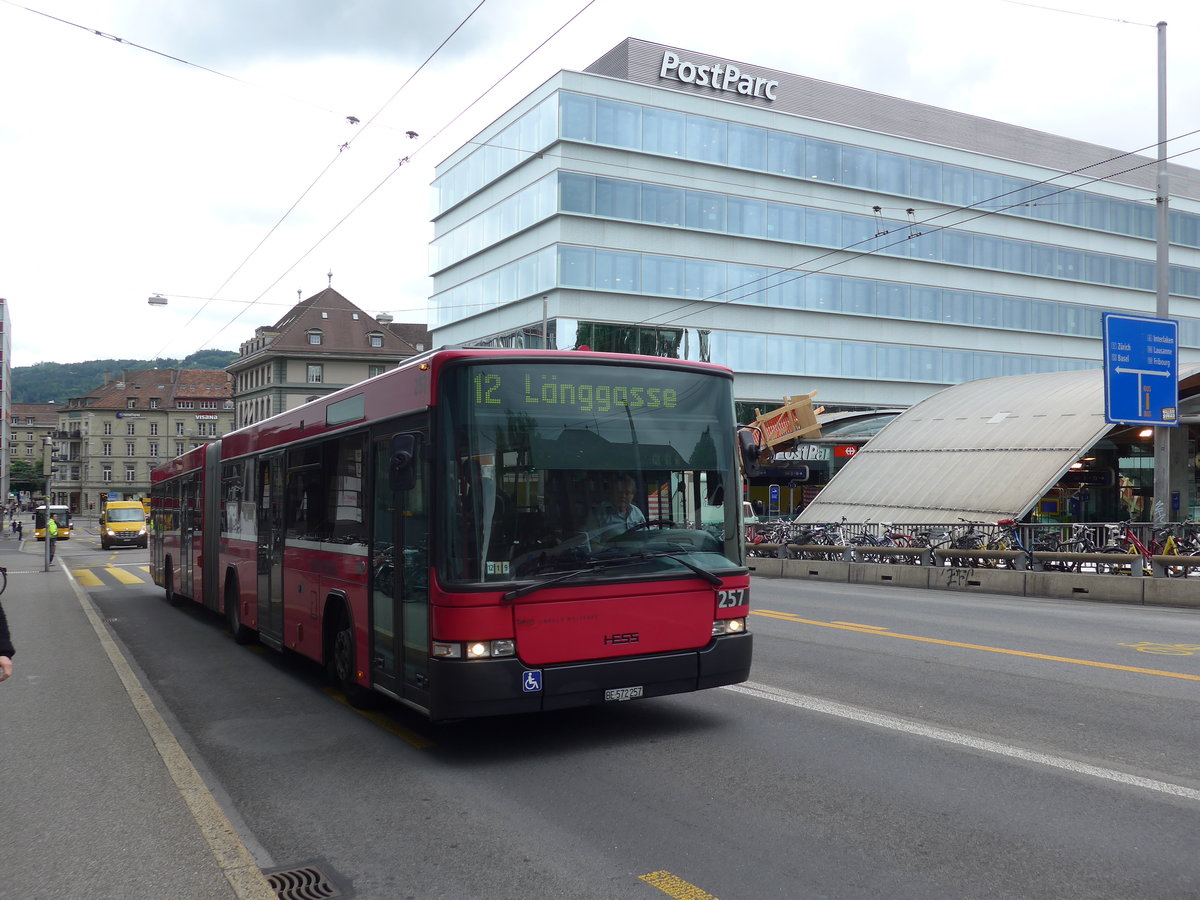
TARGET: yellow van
(123,523)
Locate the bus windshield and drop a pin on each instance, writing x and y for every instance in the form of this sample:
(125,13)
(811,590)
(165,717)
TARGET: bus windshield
(549,468)
(62,516)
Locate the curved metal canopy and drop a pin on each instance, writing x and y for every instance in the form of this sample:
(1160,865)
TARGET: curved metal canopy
(984,450)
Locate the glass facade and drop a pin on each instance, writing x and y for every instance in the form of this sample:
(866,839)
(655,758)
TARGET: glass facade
(596,120)
(628,272)
(791,355)
(808,286)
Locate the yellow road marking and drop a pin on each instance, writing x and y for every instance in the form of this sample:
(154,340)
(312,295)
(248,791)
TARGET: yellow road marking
(860,625)
(86,577)
(122,576)
(788,617)
(674,886)
(385,722)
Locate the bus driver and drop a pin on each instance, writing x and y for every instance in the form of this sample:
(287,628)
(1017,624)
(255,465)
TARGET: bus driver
(617,514)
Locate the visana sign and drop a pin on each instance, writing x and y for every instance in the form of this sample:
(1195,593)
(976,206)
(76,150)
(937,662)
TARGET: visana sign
(720,77)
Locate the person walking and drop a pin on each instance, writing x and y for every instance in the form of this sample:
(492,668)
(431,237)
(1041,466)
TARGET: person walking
(52,534)
(6,648)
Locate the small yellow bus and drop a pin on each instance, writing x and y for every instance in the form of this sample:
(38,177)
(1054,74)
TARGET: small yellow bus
(62,516)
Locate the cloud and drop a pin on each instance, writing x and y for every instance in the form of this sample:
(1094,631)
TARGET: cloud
(242,32)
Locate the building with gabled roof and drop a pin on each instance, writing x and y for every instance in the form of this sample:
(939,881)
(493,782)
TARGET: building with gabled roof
(109,440)
(320,345)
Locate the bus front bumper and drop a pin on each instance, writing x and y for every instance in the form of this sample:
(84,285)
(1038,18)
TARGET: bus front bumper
(493,687)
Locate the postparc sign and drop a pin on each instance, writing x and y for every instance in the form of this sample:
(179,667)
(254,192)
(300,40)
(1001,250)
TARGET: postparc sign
(720,77)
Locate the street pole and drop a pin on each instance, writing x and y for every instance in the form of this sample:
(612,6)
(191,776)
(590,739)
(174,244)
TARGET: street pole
(47,458)
(1163,434)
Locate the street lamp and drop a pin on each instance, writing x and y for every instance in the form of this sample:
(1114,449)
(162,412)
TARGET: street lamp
(157,300)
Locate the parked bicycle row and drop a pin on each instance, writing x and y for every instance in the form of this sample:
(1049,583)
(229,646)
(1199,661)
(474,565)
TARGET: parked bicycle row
(1121,547)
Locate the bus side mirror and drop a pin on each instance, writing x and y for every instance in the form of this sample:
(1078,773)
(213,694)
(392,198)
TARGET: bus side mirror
(402,472)
(751,453)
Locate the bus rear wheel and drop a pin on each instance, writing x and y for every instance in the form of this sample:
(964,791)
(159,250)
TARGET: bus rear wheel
(341,664)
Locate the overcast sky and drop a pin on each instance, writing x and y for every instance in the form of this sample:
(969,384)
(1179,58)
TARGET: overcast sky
(171,169)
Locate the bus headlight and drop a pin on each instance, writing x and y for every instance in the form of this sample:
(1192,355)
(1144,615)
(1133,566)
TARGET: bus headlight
(473,649)
(728,626)
(491,649)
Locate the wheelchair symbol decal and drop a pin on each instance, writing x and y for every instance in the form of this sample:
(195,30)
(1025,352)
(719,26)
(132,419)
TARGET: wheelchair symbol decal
(531,681)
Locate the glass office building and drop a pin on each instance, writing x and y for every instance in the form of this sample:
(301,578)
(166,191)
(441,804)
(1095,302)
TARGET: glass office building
(808,235)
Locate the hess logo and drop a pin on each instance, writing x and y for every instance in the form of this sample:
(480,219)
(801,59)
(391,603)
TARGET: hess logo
(630,637)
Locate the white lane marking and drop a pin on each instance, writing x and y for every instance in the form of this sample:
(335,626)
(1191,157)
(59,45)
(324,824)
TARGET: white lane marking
(867,717)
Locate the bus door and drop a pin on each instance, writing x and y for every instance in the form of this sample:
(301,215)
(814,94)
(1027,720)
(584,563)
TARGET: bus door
(400,566)
(270,489)
(190,526)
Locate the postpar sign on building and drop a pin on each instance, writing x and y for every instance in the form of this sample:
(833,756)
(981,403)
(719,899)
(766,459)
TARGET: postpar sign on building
(1141,370)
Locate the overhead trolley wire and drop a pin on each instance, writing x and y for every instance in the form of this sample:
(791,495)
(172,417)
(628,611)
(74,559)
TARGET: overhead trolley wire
(405,160)
(320,175)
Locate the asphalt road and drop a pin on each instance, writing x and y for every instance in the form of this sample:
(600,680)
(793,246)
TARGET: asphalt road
(892,742)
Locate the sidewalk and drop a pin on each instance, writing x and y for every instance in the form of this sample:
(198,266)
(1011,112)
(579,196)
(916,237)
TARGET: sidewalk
(97,800)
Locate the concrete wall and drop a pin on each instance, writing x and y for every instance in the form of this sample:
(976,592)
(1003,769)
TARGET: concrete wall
(1060,585)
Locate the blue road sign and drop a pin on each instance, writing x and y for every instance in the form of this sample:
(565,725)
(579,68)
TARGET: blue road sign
(1141,370)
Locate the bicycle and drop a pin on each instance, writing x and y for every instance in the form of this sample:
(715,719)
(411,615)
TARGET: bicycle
(1009,538)
(1123,539)
(1080,541)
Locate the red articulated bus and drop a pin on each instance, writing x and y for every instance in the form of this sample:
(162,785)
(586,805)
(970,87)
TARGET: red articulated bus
(444,533)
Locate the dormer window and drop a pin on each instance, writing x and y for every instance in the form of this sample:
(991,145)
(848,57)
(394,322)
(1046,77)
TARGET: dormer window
(375,339)
(314,336)
(131,403)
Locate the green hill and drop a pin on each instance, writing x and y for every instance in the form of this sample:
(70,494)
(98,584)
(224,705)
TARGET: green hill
(47,382)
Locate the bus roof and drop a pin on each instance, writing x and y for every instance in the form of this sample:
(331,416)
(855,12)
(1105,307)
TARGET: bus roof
(404,389)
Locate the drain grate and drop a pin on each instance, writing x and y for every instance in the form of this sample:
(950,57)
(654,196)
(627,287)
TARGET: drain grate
(303,883)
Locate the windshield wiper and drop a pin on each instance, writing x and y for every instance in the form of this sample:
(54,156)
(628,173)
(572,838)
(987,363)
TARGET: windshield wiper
(708,576)
(565,576)
(714,580)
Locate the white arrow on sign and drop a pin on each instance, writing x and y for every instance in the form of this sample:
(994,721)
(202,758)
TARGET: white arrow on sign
(1121,371)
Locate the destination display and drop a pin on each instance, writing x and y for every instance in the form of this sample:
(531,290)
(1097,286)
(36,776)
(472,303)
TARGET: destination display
(516,387)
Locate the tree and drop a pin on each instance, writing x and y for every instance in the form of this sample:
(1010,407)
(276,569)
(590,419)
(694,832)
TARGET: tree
(26,475)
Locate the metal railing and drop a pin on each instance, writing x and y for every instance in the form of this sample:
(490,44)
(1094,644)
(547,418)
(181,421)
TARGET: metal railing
(1129,548)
